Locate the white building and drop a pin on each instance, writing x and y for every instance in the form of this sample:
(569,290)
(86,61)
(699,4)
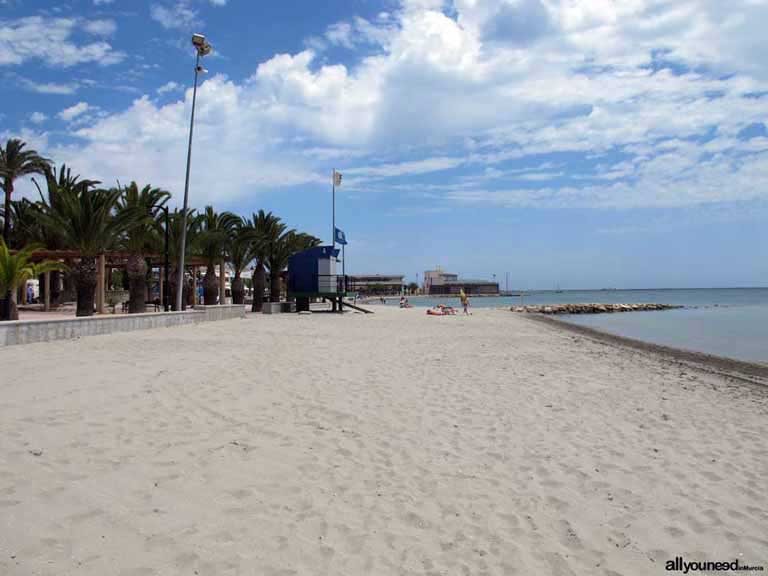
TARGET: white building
(437,277)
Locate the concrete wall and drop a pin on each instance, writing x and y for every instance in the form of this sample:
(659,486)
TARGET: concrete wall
(26,332)
(271,308)
(226,312)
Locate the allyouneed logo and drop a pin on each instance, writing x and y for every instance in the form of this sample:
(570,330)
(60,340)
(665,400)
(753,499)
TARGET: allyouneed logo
(680,565)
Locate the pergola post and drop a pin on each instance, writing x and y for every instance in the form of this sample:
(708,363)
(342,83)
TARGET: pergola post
(222,284)
(161,270)
(47,288)
(100,283)
(194,285)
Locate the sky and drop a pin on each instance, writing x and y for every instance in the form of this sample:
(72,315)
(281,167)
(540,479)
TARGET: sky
(571,143)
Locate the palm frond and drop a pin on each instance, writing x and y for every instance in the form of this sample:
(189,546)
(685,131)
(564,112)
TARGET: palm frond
(16,268)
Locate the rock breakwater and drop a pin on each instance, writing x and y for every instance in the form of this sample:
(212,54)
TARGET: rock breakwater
(591,308)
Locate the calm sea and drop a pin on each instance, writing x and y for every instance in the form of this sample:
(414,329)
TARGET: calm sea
(729,322)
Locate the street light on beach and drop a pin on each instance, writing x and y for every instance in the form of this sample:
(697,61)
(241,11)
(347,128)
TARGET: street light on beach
(203,48)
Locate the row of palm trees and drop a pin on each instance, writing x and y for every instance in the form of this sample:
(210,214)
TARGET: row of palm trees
(80,216)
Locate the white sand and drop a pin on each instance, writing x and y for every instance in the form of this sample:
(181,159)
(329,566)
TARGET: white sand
(385,444)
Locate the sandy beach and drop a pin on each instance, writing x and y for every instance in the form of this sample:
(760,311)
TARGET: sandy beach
(384,444)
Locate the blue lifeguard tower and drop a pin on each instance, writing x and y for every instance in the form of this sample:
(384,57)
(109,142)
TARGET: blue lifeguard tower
(312,274)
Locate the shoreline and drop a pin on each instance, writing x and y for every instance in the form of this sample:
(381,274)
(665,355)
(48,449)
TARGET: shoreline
(753,372)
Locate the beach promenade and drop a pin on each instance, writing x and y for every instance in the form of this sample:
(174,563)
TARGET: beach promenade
(385,444)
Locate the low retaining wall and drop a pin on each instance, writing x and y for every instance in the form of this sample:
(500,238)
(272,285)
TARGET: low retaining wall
(26,332)
(226,312)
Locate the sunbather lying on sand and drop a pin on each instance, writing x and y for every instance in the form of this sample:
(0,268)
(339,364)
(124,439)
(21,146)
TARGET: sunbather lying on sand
(441,310)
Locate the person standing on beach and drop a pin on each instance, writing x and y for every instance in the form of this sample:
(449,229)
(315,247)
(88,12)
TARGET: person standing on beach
(464,301)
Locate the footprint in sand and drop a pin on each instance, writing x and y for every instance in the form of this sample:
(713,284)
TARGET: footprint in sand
(674,531)
(568,537)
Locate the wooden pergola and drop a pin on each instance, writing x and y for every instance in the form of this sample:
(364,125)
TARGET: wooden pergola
(117,259)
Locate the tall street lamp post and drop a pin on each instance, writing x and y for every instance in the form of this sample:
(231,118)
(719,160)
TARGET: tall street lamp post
(203,48)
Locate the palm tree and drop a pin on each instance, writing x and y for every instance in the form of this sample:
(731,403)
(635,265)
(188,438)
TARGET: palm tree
(193,221)
(25,228)
(15,162)
(303,241)
(144,206)
(15,270)
(280,249)
(87,221)
(267,228)
(51,237)
(240,246)
(214,234)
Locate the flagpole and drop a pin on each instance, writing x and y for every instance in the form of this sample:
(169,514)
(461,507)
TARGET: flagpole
(333,228)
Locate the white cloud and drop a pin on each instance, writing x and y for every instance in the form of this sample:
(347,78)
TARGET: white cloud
(48,87)
(170,87)
(488,86)
(104,27)
(37,117)
(69,114)
(50,40)
(179,14)
(424,166)
(340,33)
(102,2)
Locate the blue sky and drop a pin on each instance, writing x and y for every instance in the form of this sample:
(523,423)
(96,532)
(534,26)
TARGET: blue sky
(580,143)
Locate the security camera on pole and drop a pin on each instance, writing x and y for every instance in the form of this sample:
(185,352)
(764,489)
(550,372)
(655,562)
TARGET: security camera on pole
(203,48)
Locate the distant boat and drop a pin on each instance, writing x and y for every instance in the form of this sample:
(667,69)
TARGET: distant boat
(557,290)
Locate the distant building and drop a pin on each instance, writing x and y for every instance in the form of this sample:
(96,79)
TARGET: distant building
(378,284)
(437,278)
(438,282)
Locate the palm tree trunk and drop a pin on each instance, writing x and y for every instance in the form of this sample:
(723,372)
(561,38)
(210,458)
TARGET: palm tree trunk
(210,286)
(274,286)
(55,287)
(7,213)
(137,281)
(238,289)
(189,293)
(14,307)
(6,308)
(259,283)
(41,288)
(172,288)
(84,275)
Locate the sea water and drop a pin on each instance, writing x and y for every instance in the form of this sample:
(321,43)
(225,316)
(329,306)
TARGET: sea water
(731,322)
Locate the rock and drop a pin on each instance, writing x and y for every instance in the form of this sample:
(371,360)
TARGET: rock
(589,308)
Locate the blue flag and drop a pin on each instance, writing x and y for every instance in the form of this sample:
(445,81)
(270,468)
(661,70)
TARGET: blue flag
(340,237)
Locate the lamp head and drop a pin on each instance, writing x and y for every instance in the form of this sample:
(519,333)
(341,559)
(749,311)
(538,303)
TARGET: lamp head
(201,45)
